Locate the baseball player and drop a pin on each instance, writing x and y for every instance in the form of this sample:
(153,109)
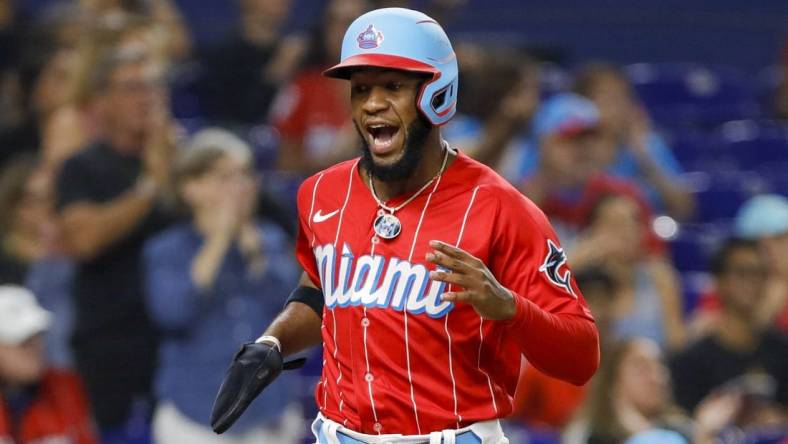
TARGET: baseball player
(426,275)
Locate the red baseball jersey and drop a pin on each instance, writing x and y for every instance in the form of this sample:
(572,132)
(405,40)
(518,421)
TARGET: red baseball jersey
(398,359)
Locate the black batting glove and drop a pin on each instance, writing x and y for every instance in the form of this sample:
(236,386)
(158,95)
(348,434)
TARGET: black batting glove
(254,367)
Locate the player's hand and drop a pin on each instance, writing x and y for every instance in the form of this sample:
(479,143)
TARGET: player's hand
(254,367)
(480,289)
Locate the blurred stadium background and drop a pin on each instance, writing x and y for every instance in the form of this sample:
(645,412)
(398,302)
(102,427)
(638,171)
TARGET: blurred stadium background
(712,76)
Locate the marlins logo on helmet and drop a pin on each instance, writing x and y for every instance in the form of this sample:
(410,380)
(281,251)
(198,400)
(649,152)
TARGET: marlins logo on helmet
(370,38)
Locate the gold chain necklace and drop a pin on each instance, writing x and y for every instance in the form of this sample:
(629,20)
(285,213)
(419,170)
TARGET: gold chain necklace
(387,225)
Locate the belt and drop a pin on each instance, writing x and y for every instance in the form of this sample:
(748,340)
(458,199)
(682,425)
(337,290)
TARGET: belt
(466,437)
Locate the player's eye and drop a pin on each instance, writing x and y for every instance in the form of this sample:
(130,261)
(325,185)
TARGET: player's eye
(360,89)
(394,86)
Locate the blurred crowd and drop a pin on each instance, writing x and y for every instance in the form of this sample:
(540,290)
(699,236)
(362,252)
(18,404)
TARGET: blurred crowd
(147,220)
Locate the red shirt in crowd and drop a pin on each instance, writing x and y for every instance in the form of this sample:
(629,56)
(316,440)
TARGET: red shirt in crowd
(312,110)
(58,412)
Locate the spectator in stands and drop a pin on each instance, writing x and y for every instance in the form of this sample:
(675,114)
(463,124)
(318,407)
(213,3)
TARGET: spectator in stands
(58,67)
(23,217)
(493,116)
(627,145)
(18,126)
(169,36)
(38,403)
(630,394)
(108,200)
(568,181)
(10,37)
(764,219)
(738,345)
(648,301)
(31,250)
(630,403)
(311,113)
(74,124)
(211,282)
(563,128)
(32,98)
(50,279)
(55,115)
(243,73)
(56,24)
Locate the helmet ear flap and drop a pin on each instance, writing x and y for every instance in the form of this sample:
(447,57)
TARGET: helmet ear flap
(439,98)
(438,102)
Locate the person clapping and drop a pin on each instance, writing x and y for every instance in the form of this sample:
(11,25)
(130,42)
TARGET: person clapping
(210,282)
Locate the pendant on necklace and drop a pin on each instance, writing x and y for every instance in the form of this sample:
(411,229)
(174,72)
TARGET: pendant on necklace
(387,226)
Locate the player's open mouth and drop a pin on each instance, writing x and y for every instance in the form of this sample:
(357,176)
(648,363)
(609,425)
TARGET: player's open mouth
(382,137)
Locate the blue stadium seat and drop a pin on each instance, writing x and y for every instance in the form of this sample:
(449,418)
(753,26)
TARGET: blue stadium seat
(679,94)
(691,249)
(756,145)
(690,252)
(767,81)
(719,195)
(698,150)
(721,201)
(778,183)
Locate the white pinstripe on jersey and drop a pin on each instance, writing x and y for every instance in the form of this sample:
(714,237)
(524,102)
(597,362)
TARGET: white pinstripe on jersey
(333,315)
(405,312)
(312,208)
(479,364)
(312,243)
(366,351)
(446,321)
(366,358)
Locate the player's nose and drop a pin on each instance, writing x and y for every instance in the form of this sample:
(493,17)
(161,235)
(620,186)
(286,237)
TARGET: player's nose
(376,101)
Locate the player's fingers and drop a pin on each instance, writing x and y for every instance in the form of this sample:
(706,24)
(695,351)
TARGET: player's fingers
(449,250)
(452,263)
(457,296)
(450,278)
(452,251)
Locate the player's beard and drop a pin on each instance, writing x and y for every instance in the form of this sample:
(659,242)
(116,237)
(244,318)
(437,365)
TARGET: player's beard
(413,150)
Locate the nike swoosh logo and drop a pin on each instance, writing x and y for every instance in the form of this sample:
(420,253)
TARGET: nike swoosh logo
(318,217)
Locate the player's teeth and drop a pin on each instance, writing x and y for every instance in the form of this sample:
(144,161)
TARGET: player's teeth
(383,139)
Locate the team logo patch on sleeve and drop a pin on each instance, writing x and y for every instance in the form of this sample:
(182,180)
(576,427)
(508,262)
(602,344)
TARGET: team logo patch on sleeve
(551,267)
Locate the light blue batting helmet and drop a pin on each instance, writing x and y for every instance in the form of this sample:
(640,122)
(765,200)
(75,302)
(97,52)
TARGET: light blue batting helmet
(407,40)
